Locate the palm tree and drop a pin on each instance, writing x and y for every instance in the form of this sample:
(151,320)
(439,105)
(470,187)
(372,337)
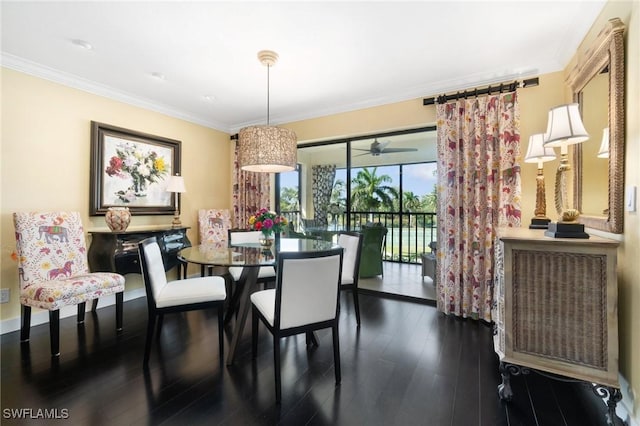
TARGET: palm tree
(289,199)
(338,193)
(369,192)
(411,203)
(429,202)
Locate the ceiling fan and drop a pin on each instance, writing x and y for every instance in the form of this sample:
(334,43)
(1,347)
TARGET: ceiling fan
(378,148)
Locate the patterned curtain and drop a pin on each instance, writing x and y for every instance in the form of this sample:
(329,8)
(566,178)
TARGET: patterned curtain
(250,193)
(322,185)
(478,191)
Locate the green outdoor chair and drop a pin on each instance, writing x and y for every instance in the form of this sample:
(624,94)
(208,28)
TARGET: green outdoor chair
(372,243)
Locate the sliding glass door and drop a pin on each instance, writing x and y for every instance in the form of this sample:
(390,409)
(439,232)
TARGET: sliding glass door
(386,179)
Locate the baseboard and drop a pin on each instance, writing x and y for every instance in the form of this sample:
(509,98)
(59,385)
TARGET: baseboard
(42,317)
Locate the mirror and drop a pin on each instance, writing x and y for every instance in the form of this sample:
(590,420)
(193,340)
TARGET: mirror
(597,83)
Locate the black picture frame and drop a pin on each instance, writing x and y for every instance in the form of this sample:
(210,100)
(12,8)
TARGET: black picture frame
(131,169)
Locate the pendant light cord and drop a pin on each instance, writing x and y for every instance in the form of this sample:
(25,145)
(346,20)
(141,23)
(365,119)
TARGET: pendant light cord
(268,66)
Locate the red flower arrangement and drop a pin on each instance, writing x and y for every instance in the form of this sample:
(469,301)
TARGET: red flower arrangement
(267,222)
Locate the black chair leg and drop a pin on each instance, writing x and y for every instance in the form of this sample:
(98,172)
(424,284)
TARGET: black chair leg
(160,322)
(147,346)
(254,333)
(81,308)
(356,305)
(26,323)
(94,305)
(336,353)
(276,367)
(221,333)
(54,332)
(119,309)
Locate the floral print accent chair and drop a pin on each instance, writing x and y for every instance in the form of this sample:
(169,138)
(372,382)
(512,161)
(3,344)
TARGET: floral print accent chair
(54,272)
(214,225)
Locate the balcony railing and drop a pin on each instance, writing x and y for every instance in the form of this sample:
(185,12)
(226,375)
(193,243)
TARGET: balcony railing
(408,236)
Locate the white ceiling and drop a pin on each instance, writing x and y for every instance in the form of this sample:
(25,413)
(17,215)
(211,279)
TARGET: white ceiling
(334,56)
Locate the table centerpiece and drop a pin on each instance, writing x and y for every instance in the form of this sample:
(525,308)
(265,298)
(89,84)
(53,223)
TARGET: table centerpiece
(268,223)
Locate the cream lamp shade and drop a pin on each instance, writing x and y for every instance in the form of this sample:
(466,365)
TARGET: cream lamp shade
(537,152)
(565,126)
(176,184)
(603,152)
(267,149)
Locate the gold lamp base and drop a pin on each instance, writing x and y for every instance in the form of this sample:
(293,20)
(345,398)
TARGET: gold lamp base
(176,220)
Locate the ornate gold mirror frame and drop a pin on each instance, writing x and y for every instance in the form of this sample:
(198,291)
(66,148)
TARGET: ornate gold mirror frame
(607,49)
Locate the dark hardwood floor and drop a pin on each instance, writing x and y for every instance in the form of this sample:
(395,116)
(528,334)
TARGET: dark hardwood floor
(407,365)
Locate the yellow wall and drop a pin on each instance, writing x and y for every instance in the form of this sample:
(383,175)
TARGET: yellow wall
(44,161)
(534,105)
(629,251)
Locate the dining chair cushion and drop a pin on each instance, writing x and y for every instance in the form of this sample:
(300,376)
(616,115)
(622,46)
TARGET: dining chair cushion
(264,272)
(53,295)
(346,280)
(242,236)
(314,288)
(300,287)
(202,289)
(173,293)
(350,245)
(265,302)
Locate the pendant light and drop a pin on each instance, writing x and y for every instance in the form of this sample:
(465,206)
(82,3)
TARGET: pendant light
(268,149)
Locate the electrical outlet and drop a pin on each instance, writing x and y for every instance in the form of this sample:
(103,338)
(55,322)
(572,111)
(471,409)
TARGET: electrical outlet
(4,295)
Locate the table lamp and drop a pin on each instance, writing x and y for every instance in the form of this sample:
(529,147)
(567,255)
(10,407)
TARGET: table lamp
(563,129)
(538,153)
(176,185)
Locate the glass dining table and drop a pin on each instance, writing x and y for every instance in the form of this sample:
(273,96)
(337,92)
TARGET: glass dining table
(249,256)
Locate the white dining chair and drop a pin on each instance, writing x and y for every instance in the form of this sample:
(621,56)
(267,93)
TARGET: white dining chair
(351,242)
(306,298)
(176,296)
(266,274)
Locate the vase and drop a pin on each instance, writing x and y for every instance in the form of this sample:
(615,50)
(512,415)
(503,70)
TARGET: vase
(139,186)
(117,218)
(266,241)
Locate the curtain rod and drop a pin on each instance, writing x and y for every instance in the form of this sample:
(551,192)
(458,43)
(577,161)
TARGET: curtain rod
(499,88)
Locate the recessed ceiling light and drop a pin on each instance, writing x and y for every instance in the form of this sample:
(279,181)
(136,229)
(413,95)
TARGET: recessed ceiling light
(209,98)
(82,43)
(158,75)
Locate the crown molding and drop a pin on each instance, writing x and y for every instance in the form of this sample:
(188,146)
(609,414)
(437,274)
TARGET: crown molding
(35,69)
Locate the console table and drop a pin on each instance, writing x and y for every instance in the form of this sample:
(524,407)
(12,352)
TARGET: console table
(556,310)
(118,251)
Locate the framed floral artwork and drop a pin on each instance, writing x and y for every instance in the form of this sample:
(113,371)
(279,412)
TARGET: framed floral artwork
(131,169)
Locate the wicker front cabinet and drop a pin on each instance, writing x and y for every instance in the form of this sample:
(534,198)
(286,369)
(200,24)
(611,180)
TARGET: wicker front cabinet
(556,309)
